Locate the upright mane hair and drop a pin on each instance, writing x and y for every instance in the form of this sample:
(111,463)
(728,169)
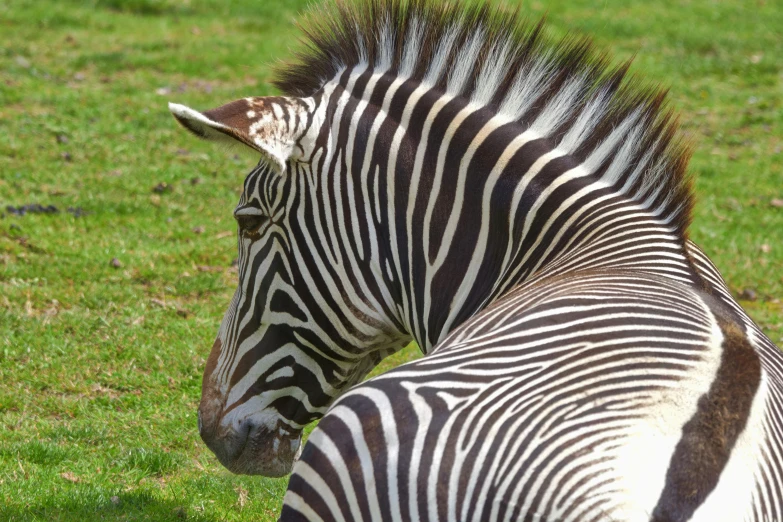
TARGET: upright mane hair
(563,90)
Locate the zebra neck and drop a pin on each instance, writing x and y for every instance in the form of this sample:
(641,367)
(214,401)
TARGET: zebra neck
(473,202)
(543,214)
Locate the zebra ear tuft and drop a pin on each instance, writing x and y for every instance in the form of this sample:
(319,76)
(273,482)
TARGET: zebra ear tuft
(238,122)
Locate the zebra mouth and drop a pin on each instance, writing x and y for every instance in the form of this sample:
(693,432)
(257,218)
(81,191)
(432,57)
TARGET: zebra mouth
(260,443)
(270,453)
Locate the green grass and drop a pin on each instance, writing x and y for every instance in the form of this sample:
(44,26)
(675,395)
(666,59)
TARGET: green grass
(100,366)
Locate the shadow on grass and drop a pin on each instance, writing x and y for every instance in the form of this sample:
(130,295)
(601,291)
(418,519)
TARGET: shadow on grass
(94,506)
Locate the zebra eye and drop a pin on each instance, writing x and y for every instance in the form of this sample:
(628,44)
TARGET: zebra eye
(250,219)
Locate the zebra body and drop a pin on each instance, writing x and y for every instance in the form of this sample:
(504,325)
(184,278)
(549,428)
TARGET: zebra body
(439,174)
(529,411)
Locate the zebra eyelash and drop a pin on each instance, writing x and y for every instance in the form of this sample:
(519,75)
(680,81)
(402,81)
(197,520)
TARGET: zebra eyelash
(249,218)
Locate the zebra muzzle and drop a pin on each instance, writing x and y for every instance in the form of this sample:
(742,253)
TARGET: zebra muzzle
(254,445)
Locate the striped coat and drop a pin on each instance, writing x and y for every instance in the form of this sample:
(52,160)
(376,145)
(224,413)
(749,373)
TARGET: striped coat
(446,174)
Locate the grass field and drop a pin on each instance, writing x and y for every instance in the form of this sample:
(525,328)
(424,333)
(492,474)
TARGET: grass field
(108,307)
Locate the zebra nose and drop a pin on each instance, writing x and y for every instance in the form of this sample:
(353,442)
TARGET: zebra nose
(226,439)
(247,446)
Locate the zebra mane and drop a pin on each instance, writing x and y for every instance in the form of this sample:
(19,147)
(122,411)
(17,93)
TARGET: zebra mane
(565,91)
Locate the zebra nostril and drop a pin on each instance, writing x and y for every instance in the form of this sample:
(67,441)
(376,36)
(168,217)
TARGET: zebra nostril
(246,427)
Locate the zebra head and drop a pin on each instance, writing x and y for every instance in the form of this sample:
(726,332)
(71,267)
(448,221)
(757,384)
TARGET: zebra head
(307,319)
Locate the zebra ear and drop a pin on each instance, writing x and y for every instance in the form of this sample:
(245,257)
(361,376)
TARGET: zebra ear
(240,121)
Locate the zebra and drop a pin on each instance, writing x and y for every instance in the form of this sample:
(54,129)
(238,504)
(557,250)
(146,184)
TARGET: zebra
(446,174)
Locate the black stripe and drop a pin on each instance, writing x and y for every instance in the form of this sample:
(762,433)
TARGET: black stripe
(710,435)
